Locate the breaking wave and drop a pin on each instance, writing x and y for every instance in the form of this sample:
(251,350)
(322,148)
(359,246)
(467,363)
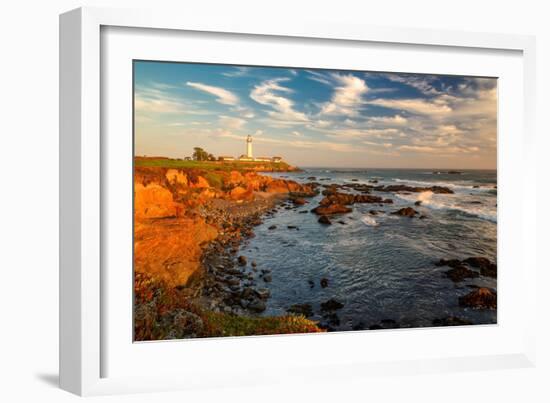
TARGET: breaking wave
(448,202)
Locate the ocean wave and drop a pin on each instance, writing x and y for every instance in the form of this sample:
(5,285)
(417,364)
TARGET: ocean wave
(464,185)
(449,202)
(368,220)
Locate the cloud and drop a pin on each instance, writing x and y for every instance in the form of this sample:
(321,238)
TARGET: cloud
(157,98)
(268,93)
(296,133)
(319,77)
(347,96)
(423,83)
(231,122)
(389,120)
(238,71)
(415,105)
(223,96)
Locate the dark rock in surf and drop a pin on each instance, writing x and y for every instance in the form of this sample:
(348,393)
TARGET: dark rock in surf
(331,209)
(324,282)
(405,212)
(242,260)
(331,305)
(451,321)
(324,220)
(485,266)
(414,189)
(301,309)
(460,273)
(481,298)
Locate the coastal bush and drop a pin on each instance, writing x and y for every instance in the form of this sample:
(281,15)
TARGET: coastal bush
(215,180)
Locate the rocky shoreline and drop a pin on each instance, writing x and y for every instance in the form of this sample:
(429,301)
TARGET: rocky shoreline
(226,282)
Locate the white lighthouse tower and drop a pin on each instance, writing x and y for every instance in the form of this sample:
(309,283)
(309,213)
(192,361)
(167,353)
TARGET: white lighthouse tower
(249,146)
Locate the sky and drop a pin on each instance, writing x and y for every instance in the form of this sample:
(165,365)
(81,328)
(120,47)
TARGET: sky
(316,117)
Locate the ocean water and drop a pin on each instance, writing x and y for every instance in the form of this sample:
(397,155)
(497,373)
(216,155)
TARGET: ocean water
(381,267)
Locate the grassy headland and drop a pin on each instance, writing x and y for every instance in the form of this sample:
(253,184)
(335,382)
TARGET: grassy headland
(163,162)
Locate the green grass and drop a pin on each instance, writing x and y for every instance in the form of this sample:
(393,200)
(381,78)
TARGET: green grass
(221,324)
(156,307)
(209,165)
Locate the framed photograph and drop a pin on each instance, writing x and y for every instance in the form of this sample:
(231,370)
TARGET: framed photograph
(241,202)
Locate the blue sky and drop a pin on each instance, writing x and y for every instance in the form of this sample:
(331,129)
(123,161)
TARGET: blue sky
(314,117)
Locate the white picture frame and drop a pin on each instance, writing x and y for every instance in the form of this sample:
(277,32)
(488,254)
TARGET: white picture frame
(83,176)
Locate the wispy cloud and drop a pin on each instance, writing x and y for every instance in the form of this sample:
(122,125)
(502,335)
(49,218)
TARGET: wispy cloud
(231,122)
(238,71)
(223,96)
(268,93)
(347,96)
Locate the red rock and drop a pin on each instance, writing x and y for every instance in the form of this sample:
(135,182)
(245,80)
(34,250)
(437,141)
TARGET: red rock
(332,209)
(481,298)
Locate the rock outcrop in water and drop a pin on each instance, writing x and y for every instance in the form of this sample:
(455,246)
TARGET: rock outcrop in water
(480,298)
(485,266)
(413,189)
(406,212)
(337,202)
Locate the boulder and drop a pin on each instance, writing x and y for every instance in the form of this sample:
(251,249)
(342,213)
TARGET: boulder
(460,273)
(298,201)
(155,201)
(485,266)
(325,220)
(199,182)
(414,189)
(331,305)
(240,193)
(451,321)
(480,298)
(242,260)
(331,209)
(324,282)
(175,176)
(406,212)
(301,309)
(257,305)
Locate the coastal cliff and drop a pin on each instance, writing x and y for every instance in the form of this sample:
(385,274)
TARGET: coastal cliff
(187,224)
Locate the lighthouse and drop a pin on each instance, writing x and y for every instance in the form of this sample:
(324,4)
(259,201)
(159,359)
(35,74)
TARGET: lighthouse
(249,146)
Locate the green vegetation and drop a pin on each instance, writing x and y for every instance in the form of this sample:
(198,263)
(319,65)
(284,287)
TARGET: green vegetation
(161,162)
(214,179)
(222,324)
(201,155)
(166,313)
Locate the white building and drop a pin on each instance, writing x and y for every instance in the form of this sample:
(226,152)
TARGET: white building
(262,159)
(226,158)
